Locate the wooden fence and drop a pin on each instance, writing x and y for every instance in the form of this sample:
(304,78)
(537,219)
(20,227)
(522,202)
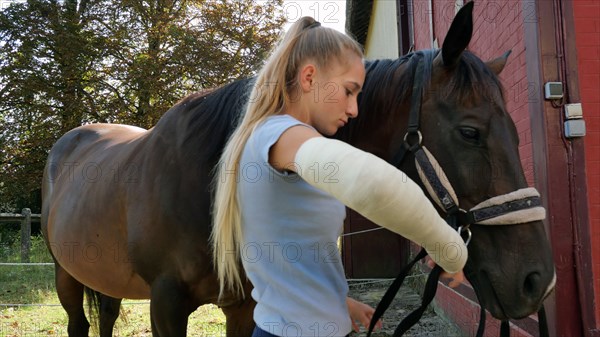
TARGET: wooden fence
(26,218)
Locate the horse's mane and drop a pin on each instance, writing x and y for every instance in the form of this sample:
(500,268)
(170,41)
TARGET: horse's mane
(389,83)
(473,80)
(202,122)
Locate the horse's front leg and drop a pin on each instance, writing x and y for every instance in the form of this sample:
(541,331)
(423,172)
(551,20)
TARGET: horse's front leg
(169,307)
(239,318)
(239,315)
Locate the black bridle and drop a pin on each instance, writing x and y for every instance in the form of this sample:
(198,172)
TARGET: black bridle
(441,191)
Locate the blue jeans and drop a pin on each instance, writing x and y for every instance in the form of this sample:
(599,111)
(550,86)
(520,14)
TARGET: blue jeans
(258,332)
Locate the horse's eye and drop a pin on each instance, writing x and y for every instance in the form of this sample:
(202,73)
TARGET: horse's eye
(470,134)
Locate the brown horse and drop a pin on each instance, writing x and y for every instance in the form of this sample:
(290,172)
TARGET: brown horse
(126,211)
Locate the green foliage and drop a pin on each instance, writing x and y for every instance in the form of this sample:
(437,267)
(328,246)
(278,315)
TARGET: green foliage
(24,284)
(68,63)
(10,248)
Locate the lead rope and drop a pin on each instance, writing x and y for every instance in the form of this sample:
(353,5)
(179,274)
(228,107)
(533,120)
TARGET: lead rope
(428,295)
(505,325)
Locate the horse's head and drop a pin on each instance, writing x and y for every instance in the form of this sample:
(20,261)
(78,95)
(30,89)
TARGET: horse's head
(466,127)
(464,124)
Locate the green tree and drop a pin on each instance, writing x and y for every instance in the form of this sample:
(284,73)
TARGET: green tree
(68,63)
(46,55)
(169,48)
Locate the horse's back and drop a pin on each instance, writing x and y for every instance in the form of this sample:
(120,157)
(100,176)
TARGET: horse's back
(83,205)
(81,153)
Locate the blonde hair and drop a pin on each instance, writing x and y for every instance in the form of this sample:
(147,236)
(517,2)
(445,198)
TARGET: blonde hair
(272,93)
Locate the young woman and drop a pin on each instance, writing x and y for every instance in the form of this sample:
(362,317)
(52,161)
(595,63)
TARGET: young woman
(281,188)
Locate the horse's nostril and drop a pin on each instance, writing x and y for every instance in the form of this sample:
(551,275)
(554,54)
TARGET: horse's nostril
(531,287)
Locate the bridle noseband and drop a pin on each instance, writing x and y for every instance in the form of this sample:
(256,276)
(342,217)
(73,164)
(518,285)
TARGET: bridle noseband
(521,206)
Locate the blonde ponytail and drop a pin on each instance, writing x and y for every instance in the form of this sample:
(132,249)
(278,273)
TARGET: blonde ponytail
(271,94)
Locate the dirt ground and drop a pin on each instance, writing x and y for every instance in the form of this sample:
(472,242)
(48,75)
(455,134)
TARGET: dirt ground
(406,301)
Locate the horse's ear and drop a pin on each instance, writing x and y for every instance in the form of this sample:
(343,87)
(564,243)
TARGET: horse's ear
(459,35)
(497,64)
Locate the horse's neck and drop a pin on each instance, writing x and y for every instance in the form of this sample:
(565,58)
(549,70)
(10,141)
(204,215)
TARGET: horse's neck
(368,137)
(384,106)
(381,136)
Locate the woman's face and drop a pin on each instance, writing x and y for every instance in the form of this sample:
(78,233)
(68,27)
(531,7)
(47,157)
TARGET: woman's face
(332,100)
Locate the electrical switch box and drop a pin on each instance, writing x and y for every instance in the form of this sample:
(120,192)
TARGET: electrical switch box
(573,111)
(553,90)
(574,128)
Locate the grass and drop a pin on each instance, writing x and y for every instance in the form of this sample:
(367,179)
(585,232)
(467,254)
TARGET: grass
(134,320)
(42,315)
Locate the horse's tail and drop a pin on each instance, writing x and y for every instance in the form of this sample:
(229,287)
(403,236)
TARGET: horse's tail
(94,301)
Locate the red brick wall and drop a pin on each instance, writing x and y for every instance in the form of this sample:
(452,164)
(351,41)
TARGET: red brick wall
(587,37)
(421,24)
(443,13)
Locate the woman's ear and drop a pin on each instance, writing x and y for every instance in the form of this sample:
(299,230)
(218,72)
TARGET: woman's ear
(307,76)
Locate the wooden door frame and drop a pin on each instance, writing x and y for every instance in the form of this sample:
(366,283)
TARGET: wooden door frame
(560,165)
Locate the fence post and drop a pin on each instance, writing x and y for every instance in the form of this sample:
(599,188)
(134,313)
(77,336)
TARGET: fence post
(25,235)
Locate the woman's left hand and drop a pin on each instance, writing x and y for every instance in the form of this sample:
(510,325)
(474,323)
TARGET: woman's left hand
(362,313)
(455,279)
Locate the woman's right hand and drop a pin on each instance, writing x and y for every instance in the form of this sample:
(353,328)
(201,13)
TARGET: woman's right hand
(361,313)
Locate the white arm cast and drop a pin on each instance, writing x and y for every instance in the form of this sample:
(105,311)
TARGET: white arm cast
(382,194)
